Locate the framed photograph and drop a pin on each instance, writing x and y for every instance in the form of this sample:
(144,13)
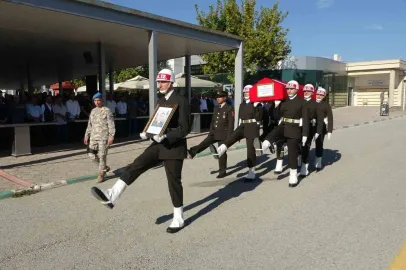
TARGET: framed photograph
(158,123)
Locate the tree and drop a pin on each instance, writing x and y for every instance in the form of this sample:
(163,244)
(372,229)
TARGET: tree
(265,40)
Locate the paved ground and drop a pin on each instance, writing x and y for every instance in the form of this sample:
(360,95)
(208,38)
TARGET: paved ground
(351,215)
(54,166)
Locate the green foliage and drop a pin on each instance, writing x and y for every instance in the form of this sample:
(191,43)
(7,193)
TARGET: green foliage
(265,40)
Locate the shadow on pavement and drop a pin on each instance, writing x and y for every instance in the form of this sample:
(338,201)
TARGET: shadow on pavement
(232,190)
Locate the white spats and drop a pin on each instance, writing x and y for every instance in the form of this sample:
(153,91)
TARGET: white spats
(221,150)
(114,193)
(293,177)
(177,222)
(318,163)
(251,173)
(279,165)
(304,171)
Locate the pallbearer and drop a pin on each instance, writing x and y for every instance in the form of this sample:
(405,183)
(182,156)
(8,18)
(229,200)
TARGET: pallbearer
(324,126)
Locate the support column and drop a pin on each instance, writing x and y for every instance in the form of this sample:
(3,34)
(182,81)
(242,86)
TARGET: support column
(188,78)
(392,86)
(29,80)
(111,80)
(60,88)
(152,63)
(102,71)
(238,80)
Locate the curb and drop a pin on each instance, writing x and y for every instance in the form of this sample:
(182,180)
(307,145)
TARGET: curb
(40,187)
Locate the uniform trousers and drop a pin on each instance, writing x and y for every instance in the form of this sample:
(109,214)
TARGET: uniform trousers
(206,143)
(237,135)
(306,148)
(293,145)
(319,145)
(98,153)
(149,159)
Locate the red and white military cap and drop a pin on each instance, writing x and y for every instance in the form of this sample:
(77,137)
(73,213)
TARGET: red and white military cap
(321,91)
(292,85)
(247,88)
(165,75)
(308,88)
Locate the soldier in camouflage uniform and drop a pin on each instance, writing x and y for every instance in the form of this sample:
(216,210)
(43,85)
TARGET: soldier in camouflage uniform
(99,135)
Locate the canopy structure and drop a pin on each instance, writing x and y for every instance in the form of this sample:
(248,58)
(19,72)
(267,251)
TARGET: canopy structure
(49,41)
(137,82)
(195,82)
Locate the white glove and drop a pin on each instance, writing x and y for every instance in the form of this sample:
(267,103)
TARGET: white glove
(158,138)
(325,121)
(143,136)
(301,122)
(221,150)
(316,136)
(265,145)
(255,104)
(239,121)
(304,139)
(328,136)
(280,121)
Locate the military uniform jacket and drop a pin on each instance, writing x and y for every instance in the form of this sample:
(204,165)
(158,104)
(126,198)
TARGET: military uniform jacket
(294,109)
(324,111)
(274,114)
(247,111)
(175,146)
(311,107)
(222,124)
(101,125)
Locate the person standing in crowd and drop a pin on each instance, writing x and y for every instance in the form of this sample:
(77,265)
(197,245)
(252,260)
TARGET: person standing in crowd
(34,112)
(73,107)
(60,112)
(250,117)
(170,148)
(324,125)
(100,134)
(311,107)
(292,128)
(222,125)
(47,110)
(122,107)
(111,104)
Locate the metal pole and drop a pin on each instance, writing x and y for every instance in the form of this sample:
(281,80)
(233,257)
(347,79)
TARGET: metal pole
(111,80)
(102,71)
(238,80)
(152,62)
(188,78)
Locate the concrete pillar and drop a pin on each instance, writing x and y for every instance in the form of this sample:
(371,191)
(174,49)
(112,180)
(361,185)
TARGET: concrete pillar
(392,86)
(29,80)
(238,80)
(188,78)
(102,71)
(111,80)
(152,63)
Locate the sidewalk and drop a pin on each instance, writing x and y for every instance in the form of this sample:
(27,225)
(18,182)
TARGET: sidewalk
(74,166)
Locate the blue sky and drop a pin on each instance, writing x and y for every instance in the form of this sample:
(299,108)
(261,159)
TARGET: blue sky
(358,30)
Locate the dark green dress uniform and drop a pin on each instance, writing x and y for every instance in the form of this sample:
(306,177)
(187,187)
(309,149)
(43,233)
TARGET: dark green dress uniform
(311,107)
(325,114)
(250,115)
(222,125)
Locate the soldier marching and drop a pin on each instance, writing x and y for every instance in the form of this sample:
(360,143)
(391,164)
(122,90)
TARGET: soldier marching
(99,135)
(221,127)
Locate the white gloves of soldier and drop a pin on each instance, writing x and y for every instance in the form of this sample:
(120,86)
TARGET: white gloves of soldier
(280,121)
(325,121)
(265,145)
(316,136)
(158,138)
(328,136)
(221,150)
(301,122)
(143,136)
(304,139)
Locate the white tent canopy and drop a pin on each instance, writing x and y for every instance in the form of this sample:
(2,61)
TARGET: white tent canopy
(83,88)
(137,82)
